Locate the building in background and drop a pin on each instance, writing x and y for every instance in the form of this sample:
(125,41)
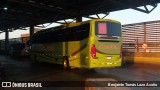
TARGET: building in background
(141,37)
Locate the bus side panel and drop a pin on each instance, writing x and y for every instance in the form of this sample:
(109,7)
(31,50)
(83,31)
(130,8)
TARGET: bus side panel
(49,52)
(78,53)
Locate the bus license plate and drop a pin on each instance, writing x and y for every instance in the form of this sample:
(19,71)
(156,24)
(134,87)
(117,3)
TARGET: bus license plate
(108,58)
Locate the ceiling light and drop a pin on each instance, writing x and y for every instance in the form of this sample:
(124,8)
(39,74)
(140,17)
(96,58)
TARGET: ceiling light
(5,8)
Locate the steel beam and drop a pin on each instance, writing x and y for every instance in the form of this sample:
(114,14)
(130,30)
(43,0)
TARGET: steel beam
(31,31)
(6,41)
(145,10)
(42,7)
(79,19)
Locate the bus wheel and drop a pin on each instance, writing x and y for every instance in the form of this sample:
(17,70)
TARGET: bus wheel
(66,64)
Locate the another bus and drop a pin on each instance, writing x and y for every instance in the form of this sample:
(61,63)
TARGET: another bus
(91,44)
(19,49)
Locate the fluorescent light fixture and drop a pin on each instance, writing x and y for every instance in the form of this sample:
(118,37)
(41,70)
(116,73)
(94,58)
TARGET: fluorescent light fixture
(5,8)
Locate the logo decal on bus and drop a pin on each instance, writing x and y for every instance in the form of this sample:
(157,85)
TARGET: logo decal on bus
(102,46)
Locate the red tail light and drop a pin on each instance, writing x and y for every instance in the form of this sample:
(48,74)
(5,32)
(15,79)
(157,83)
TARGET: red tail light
(93,51)
(121,52)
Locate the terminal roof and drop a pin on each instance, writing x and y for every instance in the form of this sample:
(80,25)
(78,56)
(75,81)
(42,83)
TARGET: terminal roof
(17,14)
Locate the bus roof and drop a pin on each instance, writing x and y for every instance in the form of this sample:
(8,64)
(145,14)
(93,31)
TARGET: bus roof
(68,25)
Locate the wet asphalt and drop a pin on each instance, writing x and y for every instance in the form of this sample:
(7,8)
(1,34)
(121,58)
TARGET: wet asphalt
(24,69)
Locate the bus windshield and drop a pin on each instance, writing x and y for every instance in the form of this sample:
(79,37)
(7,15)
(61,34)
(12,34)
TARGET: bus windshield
(109,29)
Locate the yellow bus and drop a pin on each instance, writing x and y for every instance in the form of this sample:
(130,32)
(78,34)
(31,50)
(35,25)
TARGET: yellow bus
(91,44)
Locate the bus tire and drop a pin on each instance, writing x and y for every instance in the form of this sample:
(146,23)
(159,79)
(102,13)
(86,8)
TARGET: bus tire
(66,64)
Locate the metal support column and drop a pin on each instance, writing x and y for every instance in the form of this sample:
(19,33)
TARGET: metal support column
(137,45)
(79,19)
(145,37)
(31,31)
(7,41)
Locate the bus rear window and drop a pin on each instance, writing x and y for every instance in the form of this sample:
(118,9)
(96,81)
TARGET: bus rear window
(108,28)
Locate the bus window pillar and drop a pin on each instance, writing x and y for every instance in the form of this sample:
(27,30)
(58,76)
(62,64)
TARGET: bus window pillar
(6,41)
(31,31)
